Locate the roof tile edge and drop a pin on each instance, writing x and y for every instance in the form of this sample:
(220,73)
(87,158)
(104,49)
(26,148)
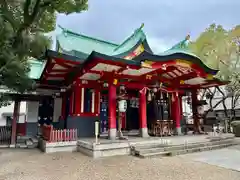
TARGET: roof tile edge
(138,30)
(64,30)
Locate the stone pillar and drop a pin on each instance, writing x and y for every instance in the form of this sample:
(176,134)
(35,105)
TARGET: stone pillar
(176,112)
(112,96)
(143,114)
(14,122)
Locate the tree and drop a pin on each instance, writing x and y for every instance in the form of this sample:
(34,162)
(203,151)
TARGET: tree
(219,49)
(233,88)
(23,24)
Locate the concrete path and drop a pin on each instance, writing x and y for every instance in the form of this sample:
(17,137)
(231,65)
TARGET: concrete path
(227,158)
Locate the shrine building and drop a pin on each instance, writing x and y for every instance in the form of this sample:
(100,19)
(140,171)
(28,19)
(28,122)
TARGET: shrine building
(81,82)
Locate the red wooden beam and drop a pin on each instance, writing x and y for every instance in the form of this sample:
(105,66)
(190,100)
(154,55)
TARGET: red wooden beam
(59,70)
(48,69)
(85,69)
(63,64)
(95,61)
(184,77)
(67,61)
(56,75)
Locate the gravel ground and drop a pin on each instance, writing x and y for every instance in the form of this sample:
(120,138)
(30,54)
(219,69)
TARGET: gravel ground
(33,165)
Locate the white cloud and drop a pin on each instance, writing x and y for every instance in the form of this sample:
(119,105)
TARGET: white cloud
(159,45)
(166,22)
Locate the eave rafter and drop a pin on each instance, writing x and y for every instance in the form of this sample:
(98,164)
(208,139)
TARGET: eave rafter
(59,68)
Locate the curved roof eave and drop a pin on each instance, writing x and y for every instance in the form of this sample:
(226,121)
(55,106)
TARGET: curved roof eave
(176,55)
(94,55)
(131,41)
(69,41)
(123,54)
(140,42)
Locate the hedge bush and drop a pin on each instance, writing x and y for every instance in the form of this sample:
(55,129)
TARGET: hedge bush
(236,128)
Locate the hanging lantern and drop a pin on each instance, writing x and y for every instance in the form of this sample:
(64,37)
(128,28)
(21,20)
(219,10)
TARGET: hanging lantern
(167,95)
(177,94)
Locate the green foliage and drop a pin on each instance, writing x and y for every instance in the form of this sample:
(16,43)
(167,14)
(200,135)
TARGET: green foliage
(23,24)
(220,49)
(211,46)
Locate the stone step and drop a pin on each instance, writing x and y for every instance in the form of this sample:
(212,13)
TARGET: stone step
(26,142)
(34,140)
(21,145)
(149,149)
(183,151)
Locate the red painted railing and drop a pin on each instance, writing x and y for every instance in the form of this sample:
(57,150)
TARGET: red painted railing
(51,135)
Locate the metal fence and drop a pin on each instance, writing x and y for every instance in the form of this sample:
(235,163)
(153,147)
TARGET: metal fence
(5,134)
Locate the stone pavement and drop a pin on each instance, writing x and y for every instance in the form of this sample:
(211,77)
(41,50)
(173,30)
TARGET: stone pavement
(227,158)
(32,165)
(174,140)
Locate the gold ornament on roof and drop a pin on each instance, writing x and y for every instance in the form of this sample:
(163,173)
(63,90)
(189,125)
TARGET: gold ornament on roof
(182,82)
(187,37)
(148,76)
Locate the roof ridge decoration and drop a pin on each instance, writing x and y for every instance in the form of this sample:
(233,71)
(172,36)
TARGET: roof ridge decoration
(135,33)
(182,45)
(67,31)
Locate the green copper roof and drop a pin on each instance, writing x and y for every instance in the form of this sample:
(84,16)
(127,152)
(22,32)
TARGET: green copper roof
(131,41)
(36,68)
(82,46)
(181,47)
(70,41)
(78,44)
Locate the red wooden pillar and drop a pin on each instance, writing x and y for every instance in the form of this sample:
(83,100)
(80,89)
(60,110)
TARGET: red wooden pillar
(97,102)
(112,96)
(14,122)
(143,114)
(176,112)
(181,108)
(77,99)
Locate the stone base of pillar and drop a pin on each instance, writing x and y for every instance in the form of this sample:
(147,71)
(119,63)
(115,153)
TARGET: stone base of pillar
(12,145)
(112,133)
(178,131)
(143,132)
